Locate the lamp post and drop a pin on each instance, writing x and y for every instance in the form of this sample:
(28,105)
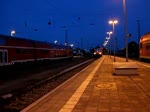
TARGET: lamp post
(66,34)
(71,45)
(55,42)
(109,33)
(12,32)
(66,42)
(113,22)
(107,40)
(125,29)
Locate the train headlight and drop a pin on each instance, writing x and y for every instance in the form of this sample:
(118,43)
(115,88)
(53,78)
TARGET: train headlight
(100,53)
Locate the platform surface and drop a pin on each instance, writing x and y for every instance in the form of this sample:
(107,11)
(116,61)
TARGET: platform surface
(96,89)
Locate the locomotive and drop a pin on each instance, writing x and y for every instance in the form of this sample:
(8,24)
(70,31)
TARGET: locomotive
(17,50)
(145,46)
(98,52)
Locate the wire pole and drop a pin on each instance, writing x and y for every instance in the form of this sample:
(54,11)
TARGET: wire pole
(114,42)
(66,37)
(125,28)
(139,30)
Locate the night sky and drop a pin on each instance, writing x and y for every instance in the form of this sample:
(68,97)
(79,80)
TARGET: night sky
(86,21)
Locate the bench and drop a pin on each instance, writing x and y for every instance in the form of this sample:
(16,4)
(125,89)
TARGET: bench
(125,68)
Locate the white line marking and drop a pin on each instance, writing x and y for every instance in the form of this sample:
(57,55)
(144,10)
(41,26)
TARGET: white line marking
(144,65)
(70,104)
(45,96)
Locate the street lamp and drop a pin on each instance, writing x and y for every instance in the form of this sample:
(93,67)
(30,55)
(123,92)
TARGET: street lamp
(113,22)
(71,45)
(12,32)
(107,42)
(109,33)
(55,42)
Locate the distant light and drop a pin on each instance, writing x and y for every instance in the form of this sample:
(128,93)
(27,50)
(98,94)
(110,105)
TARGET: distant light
(100,52)
(106,41)
(104,44)
(55,41)
(107,38)
(110,22)
(65,44)
(109,32)
(13,32)
(113,22)
(71,45)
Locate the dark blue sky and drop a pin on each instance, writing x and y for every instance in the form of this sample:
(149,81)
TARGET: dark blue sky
(25,16)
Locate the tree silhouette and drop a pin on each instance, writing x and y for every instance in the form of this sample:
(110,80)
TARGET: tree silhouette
(133,49)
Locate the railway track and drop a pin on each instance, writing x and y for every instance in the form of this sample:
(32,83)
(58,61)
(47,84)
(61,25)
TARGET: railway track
(23,96)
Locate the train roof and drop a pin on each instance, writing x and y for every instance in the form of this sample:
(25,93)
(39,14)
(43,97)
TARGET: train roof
(19,38)
(38,43)
(145,37)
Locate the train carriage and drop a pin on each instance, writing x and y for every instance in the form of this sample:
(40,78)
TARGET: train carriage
(145,46)
(61,51)
(13,49)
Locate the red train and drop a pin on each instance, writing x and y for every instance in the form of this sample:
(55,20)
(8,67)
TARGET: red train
(13,49)
(145,46)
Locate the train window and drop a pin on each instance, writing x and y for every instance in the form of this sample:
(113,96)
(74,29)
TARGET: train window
(47,51)
(5,56)
(1,57)
(140,45)
(148,46)
(44,51)
(18,51)
(30,51)
(24,51)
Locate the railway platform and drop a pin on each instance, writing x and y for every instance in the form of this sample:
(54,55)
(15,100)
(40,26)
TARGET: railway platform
(97,89)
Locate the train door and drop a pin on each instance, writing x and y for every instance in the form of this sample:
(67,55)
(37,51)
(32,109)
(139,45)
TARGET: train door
(3,57)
